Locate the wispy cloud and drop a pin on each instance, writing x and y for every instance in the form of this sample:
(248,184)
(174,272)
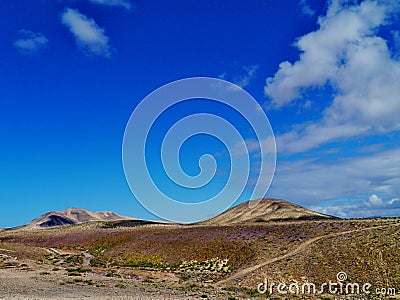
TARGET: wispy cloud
(346,54)
(316,183)
(121,3)
(374,206)
(396,42)
(306,9)
(29,42)
(90,37)
(242,80)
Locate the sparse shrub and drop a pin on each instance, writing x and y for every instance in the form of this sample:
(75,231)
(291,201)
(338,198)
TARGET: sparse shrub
(139,260)
(120,285)
(95,262)
(99,249)
(78,270)
(74,259)
(111,273)
(230,289)
(252,292)
(185,277)
(44,273)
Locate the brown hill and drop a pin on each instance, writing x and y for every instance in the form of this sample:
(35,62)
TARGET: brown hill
(72,216)
(263,210)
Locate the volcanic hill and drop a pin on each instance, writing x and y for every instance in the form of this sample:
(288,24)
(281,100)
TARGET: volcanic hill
(72,216)
(263,210)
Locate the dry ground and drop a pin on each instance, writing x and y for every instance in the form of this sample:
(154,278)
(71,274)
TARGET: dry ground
(106,261)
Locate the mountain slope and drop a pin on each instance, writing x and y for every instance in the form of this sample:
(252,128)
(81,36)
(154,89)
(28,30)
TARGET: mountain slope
(262,210)
(72,216)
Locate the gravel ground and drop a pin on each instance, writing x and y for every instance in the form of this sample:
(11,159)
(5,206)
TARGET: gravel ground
(37,284)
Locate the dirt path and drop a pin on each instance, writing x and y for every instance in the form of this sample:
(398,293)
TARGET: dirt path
(301,248)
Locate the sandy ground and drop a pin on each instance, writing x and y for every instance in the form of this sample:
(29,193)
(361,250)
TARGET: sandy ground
(43,283)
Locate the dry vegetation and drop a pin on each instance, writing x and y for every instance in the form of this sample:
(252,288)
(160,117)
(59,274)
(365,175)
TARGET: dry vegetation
(200,261)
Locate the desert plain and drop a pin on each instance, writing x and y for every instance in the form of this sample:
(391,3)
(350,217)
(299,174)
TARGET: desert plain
(227,257)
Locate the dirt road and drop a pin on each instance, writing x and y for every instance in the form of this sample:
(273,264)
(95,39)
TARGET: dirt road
(299,249)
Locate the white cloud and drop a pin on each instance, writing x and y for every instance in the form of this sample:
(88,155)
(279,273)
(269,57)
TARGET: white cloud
(29,42)
(341,211)
(374,201)
(311,136)
(121,3)
(375,206)
(347,54)
(314,183)
(324,49)
(90,38)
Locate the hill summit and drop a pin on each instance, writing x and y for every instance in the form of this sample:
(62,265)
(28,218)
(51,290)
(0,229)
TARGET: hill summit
(263,210)
(72,216)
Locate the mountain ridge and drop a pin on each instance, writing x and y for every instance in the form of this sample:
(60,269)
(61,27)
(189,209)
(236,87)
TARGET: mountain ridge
(252,211)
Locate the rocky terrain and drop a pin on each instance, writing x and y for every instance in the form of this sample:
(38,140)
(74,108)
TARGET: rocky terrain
(217,259)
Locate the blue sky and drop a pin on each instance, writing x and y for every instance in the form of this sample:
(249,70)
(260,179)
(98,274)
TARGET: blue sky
(72,71)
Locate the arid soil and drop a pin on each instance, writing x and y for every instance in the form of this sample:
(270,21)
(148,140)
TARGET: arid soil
(42,282)
(114,260)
